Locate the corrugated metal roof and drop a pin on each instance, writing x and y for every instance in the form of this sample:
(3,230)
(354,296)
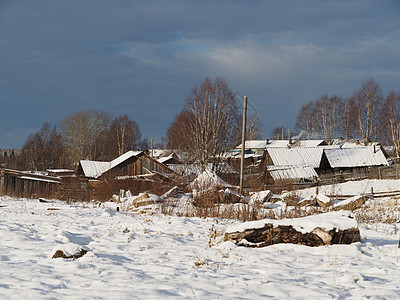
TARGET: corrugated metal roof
(290,172)
(296,156)
(356,157)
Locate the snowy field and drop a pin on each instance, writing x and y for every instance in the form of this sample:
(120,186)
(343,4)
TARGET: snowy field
(155,257)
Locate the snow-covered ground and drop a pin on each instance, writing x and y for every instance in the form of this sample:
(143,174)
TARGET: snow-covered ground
(157,256)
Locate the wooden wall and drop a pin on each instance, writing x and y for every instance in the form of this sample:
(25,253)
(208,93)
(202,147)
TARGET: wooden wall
(22,184)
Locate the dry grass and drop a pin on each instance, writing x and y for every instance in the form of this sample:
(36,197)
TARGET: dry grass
(380,211)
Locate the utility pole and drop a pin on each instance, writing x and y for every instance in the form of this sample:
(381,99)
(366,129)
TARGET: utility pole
(243,144)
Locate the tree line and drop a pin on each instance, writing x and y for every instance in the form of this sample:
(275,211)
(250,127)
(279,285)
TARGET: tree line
(209,125)
(366,115)
(92,135)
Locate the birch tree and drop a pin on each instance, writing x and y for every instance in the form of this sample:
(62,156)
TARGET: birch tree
(307,119)
(208,124)
(366,106)
(329,112)
(80,132)
(253,128)
(392,109)
(122,135)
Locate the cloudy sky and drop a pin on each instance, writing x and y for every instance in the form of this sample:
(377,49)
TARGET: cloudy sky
(143,57)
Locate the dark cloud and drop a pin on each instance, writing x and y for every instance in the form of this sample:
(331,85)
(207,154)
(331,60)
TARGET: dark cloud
(143,57)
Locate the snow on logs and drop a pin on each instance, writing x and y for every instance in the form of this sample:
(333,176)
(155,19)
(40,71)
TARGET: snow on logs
(337,227)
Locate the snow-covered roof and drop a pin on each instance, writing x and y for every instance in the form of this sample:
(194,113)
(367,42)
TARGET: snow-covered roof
(165,159)
(39,179)
(278,143)
(123,157)
(60,170)
(238,155)
(160,152)
(365,156)
(310,143)
(262,144)
(292,172)
(254,144)
(296,156)
(94,169)
(356,144)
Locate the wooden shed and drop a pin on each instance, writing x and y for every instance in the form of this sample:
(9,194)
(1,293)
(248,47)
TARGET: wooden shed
(134,170)
(131,163)
(27,184)
(351,162)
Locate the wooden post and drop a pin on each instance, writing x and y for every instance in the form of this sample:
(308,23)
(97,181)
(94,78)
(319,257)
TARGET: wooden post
(2,174)
(243,144)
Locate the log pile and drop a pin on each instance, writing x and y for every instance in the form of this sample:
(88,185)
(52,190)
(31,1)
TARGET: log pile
(274,233)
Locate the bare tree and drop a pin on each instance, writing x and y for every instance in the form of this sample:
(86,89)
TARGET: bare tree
(392,109)
(208,124)
(253,128)
(322,118)
(178,132)
(350,126)
(43,150)
(366,106)
(122,135)
(330,112)
(80,132)
(307,119)
(279,133)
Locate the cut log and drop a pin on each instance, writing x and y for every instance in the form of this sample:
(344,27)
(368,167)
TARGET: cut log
(171,193)
(260,197)
(351,203)
(324,201)
(296,231)
(291,200)
(144,199)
